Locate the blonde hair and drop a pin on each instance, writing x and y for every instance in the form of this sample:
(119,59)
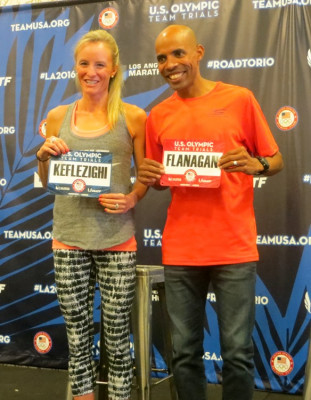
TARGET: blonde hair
(115,105)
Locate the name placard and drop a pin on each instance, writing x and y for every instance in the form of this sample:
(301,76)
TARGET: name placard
(80,173)
(191,163)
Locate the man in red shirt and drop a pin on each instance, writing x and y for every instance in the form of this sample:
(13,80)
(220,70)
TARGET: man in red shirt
(206,142)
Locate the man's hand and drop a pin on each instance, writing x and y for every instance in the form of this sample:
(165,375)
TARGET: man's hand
(239,160)
(150,172)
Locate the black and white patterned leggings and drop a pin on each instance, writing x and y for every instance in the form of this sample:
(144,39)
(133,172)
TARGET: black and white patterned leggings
(75,274)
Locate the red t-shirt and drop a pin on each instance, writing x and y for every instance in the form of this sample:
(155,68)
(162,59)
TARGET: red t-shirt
(211,226)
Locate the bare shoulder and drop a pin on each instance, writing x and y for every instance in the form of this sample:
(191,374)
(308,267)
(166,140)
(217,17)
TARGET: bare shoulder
(57,113)
(55,119)
(135,119)
(133,112)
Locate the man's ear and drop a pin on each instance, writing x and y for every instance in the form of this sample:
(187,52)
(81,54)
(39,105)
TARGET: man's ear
(200,51)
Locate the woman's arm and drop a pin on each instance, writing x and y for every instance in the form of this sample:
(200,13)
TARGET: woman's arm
(136,121)
(52,145)
(137,127)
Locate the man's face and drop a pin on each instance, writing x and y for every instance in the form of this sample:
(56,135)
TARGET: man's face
(178,60)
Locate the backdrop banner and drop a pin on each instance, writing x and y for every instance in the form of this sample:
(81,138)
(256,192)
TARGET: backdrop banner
(264,45)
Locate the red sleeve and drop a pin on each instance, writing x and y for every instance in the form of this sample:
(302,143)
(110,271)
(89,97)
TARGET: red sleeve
(261,141)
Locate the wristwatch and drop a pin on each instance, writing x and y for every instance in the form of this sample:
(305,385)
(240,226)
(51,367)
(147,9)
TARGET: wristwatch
(263,161)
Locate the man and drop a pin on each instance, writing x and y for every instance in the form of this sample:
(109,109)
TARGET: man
(210,231)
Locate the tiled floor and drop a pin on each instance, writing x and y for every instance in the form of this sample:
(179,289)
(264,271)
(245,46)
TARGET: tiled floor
(29,383)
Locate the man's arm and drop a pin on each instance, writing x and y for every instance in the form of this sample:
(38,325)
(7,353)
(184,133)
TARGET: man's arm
(239,160)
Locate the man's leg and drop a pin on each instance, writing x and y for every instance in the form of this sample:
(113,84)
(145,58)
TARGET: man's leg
(234,286)
(186,289)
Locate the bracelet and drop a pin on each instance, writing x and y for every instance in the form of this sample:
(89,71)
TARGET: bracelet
(40,159)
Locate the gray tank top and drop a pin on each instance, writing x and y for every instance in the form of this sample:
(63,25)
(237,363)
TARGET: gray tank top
(81,221)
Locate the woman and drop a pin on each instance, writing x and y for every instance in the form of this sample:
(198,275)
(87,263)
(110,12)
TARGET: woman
(94,238)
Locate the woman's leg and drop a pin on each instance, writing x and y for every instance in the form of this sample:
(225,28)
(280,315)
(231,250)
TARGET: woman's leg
(116,276)
(75,283)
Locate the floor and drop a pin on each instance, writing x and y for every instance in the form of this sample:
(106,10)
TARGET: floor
(30,383)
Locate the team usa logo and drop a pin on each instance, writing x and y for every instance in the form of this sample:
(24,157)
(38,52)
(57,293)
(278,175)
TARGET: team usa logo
(108,18)
(282,363)
(78,185)
(42,342)
(42,128)
(190,175)
(286,118)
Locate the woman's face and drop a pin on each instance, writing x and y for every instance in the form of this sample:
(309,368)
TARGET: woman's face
(94,68)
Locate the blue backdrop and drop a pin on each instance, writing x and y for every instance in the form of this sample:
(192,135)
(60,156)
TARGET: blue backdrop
(263,45)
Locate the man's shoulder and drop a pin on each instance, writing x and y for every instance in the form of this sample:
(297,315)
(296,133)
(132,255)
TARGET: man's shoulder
(164,105)
(236,90)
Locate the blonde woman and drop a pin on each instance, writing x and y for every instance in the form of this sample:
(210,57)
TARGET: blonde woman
(94,238)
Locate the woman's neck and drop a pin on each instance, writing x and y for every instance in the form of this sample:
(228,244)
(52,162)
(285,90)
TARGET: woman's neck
(90,104)
(90,115)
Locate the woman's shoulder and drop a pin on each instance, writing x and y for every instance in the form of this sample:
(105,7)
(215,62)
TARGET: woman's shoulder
(55,119)
(134,113)
(135,118)
(58,112)
(132,109)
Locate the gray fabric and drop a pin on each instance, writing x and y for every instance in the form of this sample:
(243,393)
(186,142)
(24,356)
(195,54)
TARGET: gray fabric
(81,221)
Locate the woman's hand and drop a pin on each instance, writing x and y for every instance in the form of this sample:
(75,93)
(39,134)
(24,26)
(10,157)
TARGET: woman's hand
(53,146)
(117,203)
